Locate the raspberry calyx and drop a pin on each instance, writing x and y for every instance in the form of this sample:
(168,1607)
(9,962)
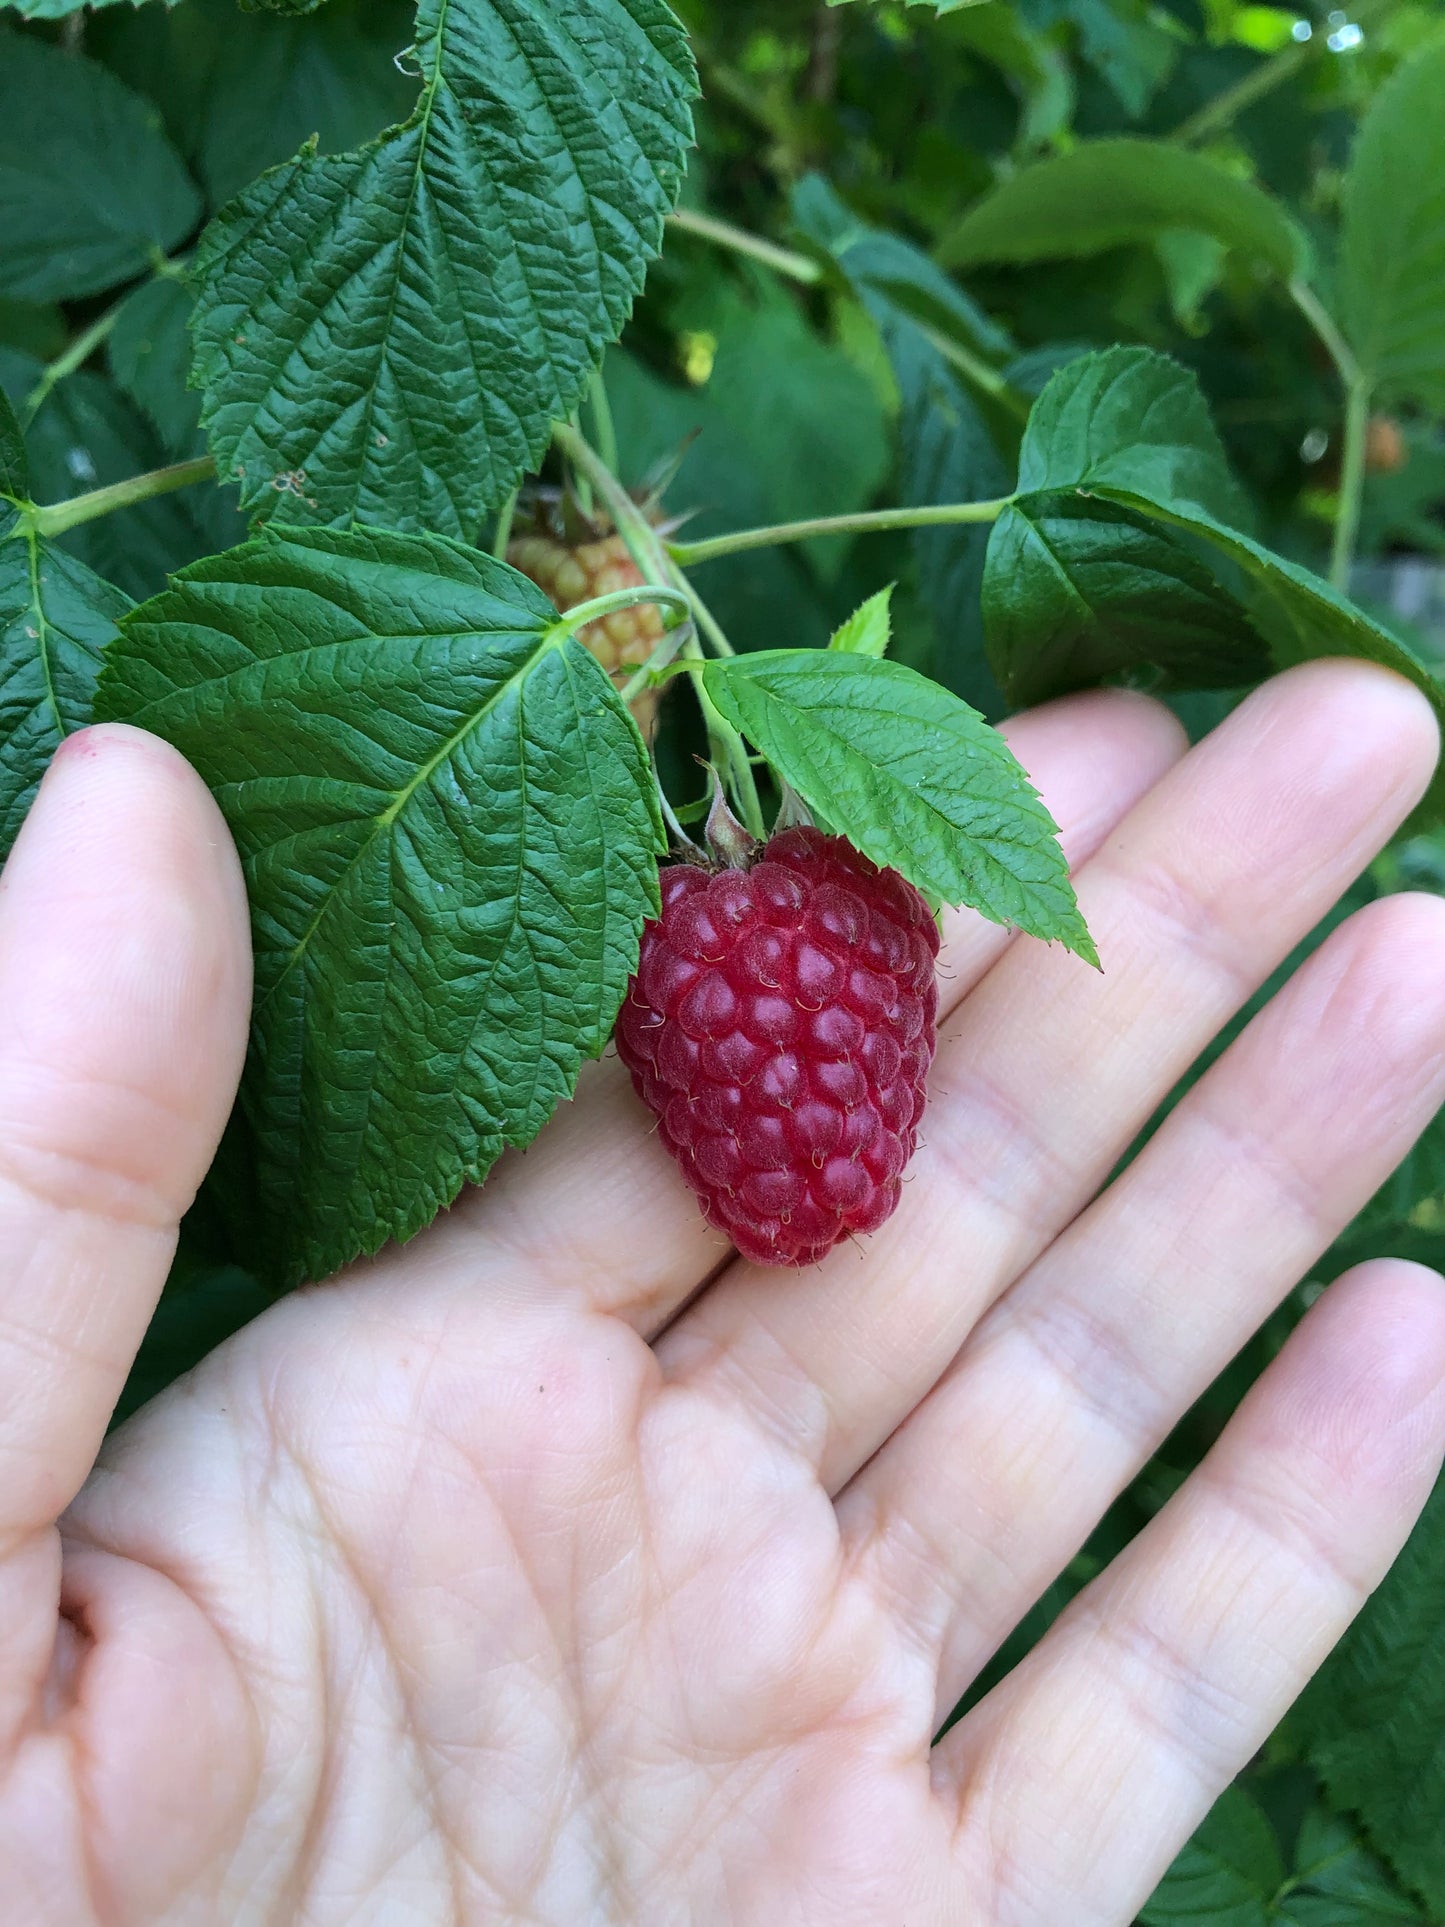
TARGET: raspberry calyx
(780,1027)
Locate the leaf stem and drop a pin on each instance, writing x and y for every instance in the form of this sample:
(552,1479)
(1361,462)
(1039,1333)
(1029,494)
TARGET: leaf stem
(689,554)
(1352,484)
(74,356)
(786,261)
(1323,322)
(602,606)
(1231,101)
(603,429)
(650,672)
(642,540)
(502,534)
(61,516)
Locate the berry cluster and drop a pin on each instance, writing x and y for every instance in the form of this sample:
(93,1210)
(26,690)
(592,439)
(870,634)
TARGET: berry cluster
(573,572)
(781,1026)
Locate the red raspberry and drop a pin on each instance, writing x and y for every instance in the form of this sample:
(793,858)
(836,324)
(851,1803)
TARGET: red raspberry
(780,1027)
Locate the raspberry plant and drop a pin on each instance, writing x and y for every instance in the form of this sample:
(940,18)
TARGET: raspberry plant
(321,458)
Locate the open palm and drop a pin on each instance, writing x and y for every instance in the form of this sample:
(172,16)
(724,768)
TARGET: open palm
(555,1569)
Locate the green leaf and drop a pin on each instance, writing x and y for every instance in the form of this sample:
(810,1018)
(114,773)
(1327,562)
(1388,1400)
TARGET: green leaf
(869,630)
(1342,1884)
(1129,418)
(387,335)
(1372,1722)
(1392,248)
(911,776)
(62,9)
(280,6)
(1121,40)
(1079,591)
(56,620)
(89,185)
(14,469)
(150,356)
(1228,1874)
(1109,193)
(449,831)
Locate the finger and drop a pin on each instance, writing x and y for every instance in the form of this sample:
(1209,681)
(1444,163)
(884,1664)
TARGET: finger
(124,992)
(1079,1777)
(596,1205)
(1077,1375)
(1050,1069)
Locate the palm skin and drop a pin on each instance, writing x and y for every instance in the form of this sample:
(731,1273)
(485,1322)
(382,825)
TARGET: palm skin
(554,1569)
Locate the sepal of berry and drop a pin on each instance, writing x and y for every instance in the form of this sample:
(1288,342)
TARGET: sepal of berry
(780,1027)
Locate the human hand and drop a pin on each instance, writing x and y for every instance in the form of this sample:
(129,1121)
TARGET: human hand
(508,1578)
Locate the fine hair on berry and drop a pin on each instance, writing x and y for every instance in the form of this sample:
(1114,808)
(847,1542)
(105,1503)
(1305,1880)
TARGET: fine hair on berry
(780,1027)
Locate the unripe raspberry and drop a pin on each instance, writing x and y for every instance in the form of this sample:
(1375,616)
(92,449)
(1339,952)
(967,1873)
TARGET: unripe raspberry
(573,573)
(781,1026)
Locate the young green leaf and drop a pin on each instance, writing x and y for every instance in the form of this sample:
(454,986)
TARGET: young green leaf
(869,630)
(1107,193)
(1371,1720)
(1132,419)
(1228,1874)
(449,830)
(1392,248)
(14,469)
(911,776)
(388,335)
(56,620)
(89,184)
(1077,591)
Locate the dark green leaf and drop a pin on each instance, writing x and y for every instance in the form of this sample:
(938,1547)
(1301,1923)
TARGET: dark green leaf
(1228,1874)
(1372,1722)
(1078,591)
(1342,1884)
(389,334)
(868,631)
(280,6)
(1392,249)
(1108,193)
(449,831)
(1122,40)
(911,776)
(89,185)
(14,470)
(1129,418)
(150,358)
(56,619)
(62,9)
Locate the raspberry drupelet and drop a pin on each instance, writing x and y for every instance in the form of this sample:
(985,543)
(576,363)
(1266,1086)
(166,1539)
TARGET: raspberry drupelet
(781,1026)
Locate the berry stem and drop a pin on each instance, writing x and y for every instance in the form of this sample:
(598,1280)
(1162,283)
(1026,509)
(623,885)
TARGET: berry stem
(689,555)
(660,659)
(502,535)
(671,601)
(786,261)
(61,516)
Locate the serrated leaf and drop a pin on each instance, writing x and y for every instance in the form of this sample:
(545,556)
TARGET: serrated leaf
(1109,193)
(869,630)
(14,469)
(911,776)
(1392,246)
(1342,1884)
(62,9)
(387,335)
(1372,1722)
(1227,1875)
(56,620)
(1129,418)
(1302,618)
(89,185)
(1078,591)
(149,351)
(449,831)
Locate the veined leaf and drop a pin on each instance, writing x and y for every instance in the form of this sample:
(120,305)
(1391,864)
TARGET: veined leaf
(56,620)
(1340,1882)
(1392,248)
(89,184)
(387,335)
(1108,193)
(910,775)
(1372,1721)
(1133,419)
(1077,591)
(449,831)
(1228,1874)
(150,355)
(14,469)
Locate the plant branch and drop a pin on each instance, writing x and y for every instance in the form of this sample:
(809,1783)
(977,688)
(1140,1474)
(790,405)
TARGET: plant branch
(602,606)
(61,516)
(502,533)
(689,554)
(74,356)
(1326,328)
(786,261)
(1233,100)
(1352,484)
(642,540)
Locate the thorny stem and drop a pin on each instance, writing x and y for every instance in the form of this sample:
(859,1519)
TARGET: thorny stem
(61,516)
(689,554)
(1352,484)
(786,261)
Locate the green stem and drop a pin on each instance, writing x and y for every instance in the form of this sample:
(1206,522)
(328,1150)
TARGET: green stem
(502,534)
(729,751)
(982,374)
(786,261)
(74,356)
(603,430)
(688,555)
(642,540)
(1352,484)
(1233,100)
(61,516)
(704,617)
(1325,326)
(602,606)
(660,659)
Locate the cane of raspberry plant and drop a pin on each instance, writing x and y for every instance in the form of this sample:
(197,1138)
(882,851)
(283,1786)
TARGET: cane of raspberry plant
(780,1026)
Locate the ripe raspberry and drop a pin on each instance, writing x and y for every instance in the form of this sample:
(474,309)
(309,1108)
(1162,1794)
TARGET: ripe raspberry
(574,572)
(780,1026)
